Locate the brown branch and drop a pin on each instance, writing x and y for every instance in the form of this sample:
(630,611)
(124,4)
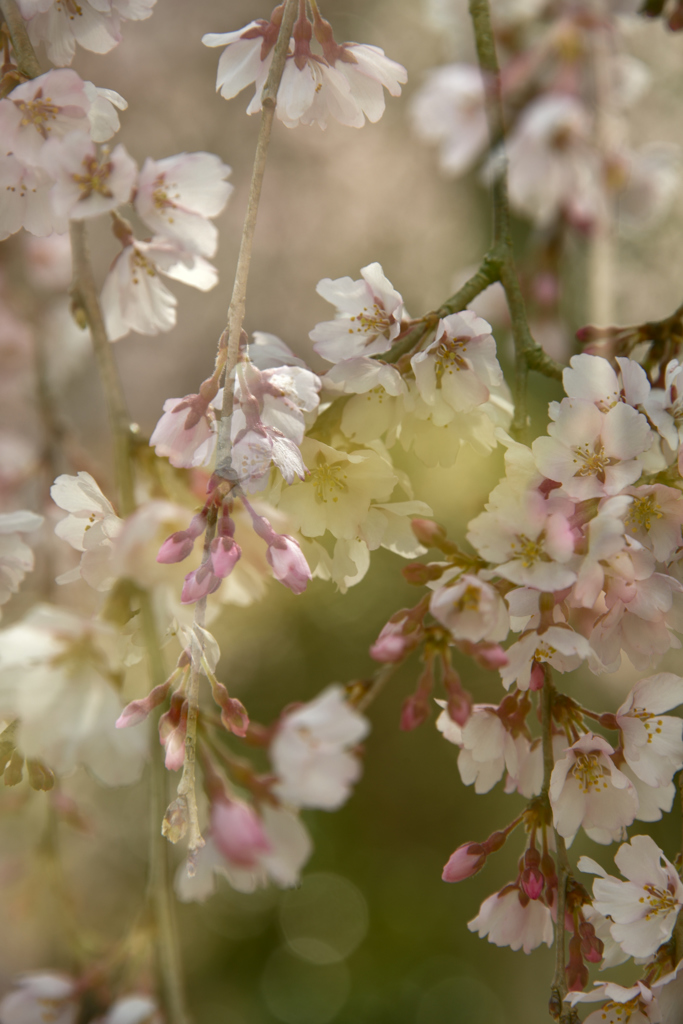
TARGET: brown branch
(25,56)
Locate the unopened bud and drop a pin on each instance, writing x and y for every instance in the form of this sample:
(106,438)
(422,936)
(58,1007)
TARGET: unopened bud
(428,532)
(464,862)
(39,775)
(419,574)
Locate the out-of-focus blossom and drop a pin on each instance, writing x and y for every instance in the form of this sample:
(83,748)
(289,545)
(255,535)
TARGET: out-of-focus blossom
(48,997)
(289,847)
(132,1009)
(471,609)
(450,109)
(91,527)
(16,557)
(93,24)
(58,676)
(311,751)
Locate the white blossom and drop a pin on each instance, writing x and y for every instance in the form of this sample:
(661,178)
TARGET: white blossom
(368,319)
(652,741)
(450,109)
(311,752)
(510,918)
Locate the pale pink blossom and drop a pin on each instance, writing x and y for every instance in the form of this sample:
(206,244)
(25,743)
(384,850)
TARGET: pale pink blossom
(135,299)
(593,379)
(369,315)
(104,121)
(176,197)
(132,1009)
(653,742)
(46,107)
(510,918)
(591,453)
(605,535)
(290,847)
(460,365)
(246,57)
(186,433)
(87,183)
(368,72)
(643,909)
(655,517)
(450,109)
(587,791)
(471,610)
(529,539)
(312,751)
(60,30)
(558,646)
(25,200)
(238,832)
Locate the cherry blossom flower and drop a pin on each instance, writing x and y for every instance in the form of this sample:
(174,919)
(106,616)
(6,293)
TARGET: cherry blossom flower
(470,609)
(289,847)
(375,403)
(450,109)
(655,517)
(134,297)
(338,490)
(45,996)
(104,121)
(635,1005)
(645,908)
(653,742)
(552,167)
(247,55)
(591,453)
(177,196)
(87,183)
(238,832)
(592,379)
(56,677)
(49,106)
(93,24)
(284,555)
(605,535)
(25,200)
(91,527)
(368,71)
(559,646)
(587,790)
(186,433)
(369,315)
(311,751)
(510,918)
(528,538)
(16,557)
(460,365)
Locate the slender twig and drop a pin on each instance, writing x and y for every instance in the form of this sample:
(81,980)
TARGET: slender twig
(159,891)
(379,681)
(27,62)
(528,355)
(236,310)
(85,298)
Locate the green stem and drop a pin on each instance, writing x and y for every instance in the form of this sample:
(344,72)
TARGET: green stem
(238,300)
(85,297)
(24,53)
(528,355)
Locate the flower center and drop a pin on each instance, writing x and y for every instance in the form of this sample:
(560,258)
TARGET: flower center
(327,480)
(468,600)
(530,551)
(621,1012)
(160,195)
(140,264)
(372,320)
(451,356)
(38,112)
(589,772)
(592,462)
(643,511)
(544,652)
(95,178)
(660,901)
(653,726)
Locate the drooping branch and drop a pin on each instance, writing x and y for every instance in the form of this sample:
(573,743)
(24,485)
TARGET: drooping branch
(230,352)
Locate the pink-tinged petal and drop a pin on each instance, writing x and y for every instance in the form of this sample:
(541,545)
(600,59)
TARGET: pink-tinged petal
(625,433)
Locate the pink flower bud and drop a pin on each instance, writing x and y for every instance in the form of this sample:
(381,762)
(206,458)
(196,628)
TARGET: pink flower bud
(233,712)
(465,862)
(428,533)
(225,554)
(172,732)
(137,710)
(533,883)
(238,832)
(591,946)
(414,712)
(537,677)
(175,548)
(199,583)
(289,564)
